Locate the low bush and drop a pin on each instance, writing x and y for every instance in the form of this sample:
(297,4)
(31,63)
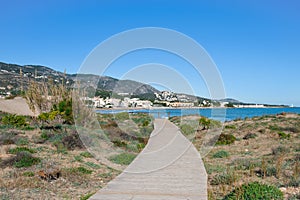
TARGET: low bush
(255,191)
(132,146)
(225,139)
(292,129)
(79,170)
(119,143)
(72,141)
(28,174)
(22,141)
(226,178)
(221,154)
(145,123)
(214,168)
(22,159)
(283,135)
(26,160)
(93,165)
(121,116)
(78,158)
(20,149)
(294,197)
(230,126)
(245,163)
(86,154)
(8,137)
(280,150)
(87,196)
(249,136)
(204,122)
(123,158)
(140,146)
(45,135)
(294,182)
(15,120)
(187,129)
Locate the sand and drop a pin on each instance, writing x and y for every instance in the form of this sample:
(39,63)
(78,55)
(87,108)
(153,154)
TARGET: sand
(17,106)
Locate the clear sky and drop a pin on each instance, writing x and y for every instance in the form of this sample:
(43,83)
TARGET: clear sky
(255,44)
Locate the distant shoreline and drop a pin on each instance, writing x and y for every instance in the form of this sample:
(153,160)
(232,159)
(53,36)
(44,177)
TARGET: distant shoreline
(174,108)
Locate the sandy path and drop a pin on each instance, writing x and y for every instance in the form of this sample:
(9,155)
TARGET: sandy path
(169,168)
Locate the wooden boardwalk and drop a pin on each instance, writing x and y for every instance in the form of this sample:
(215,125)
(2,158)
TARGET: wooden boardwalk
(169,168)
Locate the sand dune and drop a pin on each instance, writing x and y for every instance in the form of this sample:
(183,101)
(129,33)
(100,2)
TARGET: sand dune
(17,105)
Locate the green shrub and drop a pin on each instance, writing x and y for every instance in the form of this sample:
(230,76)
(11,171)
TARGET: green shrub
(245,163)
(294,197)
(72,141)
(280,150)
(123,158)
(274,128)
(132,146)
(294,182)
(8,138)
(15,120)
(86,154)
(249,136)
(25,159)
(93,165)
(122,116)
(214,168)
(209,123)
(221,154)
(255,191)
(271,171)
(87,196)
(230,126)
(283,135)
(83,170)
(119,143)
(28,174)
(62,110)
(204,122)
(22,141)
(79,170)
(140,146)
(46,135)
(225,139)
(145,123)
(78,158)
(226,178)
(187,129)
(60,148)
(20,149)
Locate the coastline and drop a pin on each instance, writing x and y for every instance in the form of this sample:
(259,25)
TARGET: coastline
(185,108)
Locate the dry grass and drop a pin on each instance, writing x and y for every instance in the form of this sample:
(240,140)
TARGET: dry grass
(80,173)
(258,154)
(25,182)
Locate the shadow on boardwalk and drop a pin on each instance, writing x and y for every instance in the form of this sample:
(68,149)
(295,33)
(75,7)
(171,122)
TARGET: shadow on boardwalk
(169,168)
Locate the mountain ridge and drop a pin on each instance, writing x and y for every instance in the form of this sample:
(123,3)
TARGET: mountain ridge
(13,77)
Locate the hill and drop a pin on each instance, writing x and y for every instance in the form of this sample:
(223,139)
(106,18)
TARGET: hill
(15,78)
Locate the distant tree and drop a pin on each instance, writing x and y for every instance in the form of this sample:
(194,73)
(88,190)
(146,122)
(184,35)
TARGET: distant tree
(103,94)
(229,105)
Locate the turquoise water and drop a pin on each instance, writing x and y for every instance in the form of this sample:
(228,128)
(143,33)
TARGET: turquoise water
(216,113)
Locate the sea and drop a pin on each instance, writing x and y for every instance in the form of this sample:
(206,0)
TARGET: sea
(221,114)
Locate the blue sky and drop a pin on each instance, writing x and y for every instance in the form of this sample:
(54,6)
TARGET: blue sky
(255,44)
